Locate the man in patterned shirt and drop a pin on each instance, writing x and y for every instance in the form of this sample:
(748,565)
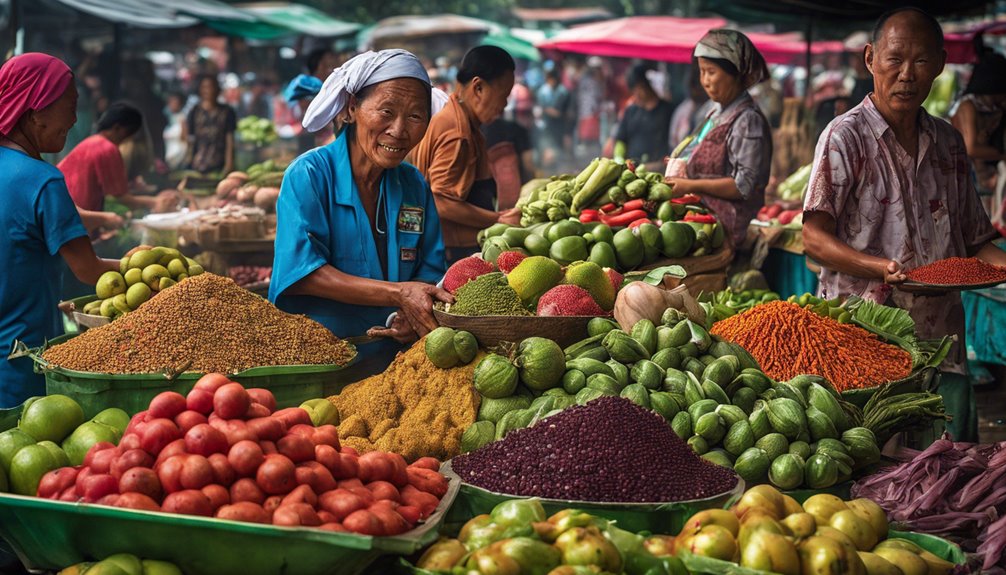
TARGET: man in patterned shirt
(891,191)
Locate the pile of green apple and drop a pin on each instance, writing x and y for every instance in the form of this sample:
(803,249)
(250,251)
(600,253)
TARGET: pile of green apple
(50,434)
(123,564)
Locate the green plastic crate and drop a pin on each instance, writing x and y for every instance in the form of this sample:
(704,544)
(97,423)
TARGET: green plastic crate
(50,535)
(291,384)
(635,517)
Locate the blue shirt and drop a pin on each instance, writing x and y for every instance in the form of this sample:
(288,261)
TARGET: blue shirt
(320,220)
(37,217)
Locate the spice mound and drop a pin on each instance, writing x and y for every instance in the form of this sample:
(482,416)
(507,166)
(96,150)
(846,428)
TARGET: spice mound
(205,323)
(414,408)
(609,450)
(958,271)
(488,294)
(788,340)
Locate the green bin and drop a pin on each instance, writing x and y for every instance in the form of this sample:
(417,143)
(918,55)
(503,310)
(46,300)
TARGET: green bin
(291,384)
(635,517)
(50,535)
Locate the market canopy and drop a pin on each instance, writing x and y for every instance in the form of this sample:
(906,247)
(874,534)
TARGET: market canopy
(517,47)
(670,39)
(150,14)
(565,16)
(301,19)
(831,11)
(961,47)
(422,26)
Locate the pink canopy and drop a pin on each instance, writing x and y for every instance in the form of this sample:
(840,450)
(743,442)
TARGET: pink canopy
(960,47)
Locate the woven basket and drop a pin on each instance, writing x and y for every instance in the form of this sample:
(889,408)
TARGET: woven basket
(490,330)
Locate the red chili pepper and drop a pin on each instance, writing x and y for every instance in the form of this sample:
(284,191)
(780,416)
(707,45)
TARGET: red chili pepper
(700,218)
(587,216)
(687,199)
(608,208)
(637,204)
(625,218)
(639,222)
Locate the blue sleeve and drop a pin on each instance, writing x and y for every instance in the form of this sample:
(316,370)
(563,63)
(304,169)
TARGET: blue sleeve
(302,231)
(56,216)
(434,264)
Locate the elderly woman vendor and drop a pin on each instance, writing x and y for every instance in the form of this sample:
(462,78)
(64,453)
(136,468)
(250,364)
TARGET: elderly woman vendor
(730,157)
(358,235)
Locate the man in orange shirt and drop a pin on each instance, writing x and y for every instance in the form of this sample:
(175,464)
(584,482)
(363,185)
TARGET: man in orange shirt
(452,155)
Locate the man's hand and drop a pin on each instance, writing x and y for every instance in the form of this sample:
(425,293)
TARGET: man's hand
(415,302)
(893,273)
(400,331)
(511,217)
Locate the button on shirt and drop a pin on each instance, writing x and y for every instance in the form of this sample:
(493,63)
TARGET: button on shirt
(887,204)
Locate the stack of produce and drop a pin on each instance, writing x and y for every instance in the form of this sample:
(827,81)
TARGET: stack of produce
(204,323)
(256,131)
(730,302)
(52,433)
(420,405)
(693,233)
(953,490)
(607,450)
(249,275)
(958,271)
(778,215)
(516,537)
(143,273)
(260,185)
(769,531)
(794,186)
(788,340)
(526,286)
(123,564)
(224,451)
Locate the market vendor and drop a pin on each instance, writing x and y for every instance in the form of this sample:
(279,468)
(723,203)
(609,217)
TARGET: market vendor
(729,159)
(95,169)
(452,156)
(891,190)
(38,101)
(209,131)
(358,236)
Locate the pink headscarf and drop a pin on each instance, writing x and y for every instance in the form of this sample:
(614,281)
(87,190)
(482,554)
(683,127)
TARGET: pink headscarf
(30,82)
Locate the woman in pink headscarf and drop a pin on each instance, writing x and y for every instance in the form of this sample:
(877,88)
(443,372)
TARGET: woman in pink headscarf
(38,102)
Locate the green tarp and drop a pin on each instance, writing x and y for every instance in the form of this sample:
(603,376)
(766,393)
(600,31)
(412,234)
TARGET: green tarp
(515,46)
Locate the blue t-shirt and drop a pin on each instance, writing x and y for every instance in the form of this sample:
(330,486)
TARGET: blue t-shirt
(37,217)
(320,220)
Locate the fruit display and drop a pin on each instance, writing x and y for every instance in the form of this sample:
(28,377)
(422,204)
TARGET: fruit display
(534,285)
(143,273)
(123,564)
(778,214)
(205,323)
(259,185)
(249,275)
(517,537)
(256,131)
(224,451)
(768,531)
(52,433)
(608,450)
(794,186)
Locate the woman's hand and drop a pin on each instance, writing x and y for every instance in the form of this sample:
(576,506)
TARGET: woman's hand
(415,301)
(679,186)
(510,217)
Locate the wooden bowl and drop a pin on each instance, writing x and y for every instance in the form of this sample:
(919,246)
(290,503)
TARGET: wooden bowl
(490,330)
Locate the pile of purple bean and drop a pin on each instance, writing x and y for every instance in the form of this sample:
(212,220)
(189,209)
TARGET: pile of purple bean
(609,450)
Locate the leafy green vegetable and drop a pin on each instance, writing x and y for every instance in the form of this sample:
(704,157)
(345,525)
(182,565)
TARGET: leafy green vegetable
(893,324)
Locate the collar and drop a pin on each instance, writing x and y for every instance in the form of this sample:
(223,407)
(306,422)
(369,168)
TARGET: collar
(879,126)
(345,186)
(465,116)
(719,109)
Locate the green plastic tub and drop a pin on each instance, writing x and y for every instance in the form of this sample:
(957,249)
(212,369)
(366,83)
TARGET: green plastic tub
(635,517)
(50,535)
(291,384)
(942,548)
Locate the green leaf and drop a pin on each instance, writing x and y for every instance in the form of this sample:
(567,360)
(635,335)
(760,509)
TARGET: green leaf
(655,277)
(890,323)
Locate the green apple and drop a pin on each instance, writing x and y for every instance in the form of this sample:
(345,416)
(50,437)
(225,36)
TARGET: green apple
(129,563)
(30,463)
(57,453)
(114,418)
(51,418)
(80,441)
(11,441)
(152,567)
(322,411)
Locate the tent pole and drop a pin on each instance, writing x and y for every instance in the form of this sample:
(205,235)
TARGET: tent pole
(810,38)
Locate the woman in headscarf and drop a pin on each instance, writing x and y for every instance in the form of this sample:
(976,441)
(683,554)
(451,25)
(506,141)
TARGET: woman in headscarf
(978,116)
(358,236)
(729,158)
(38,101)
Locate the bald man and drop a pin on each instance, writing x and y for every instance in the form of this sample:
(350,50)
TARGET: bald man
(891,190)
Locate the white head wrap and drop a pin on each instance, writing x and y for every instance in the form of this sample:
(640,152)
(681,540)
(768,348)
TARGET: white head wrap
(359,72)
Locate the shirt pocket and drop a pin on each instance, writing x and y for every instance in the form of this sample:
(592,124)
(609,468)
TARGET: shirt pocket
(409,256)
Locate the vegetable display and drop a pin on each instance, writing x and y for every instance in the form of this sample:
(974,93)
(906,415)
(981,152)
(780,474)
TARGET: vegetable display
(794,186)
(788,340)
(124,563)
(516,537)
(257,131)
(607,450)
(259,185)
(955,490)
(143,273)
(224,451)
(958,271)
(769,531)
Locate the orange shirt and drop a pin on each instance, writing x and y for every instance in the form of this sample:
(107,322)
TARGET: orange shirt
(452,156)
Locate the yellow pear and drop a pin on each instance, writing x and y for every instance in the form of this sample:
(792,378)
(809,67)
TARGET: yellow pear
(862,533)
(822,506)
(757,525)
(696,522)
(761,496)
(790,505)
(899,543)
(908,562)
(824,556)
(871,513)
(800,524)
(770,552)
(877,565)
